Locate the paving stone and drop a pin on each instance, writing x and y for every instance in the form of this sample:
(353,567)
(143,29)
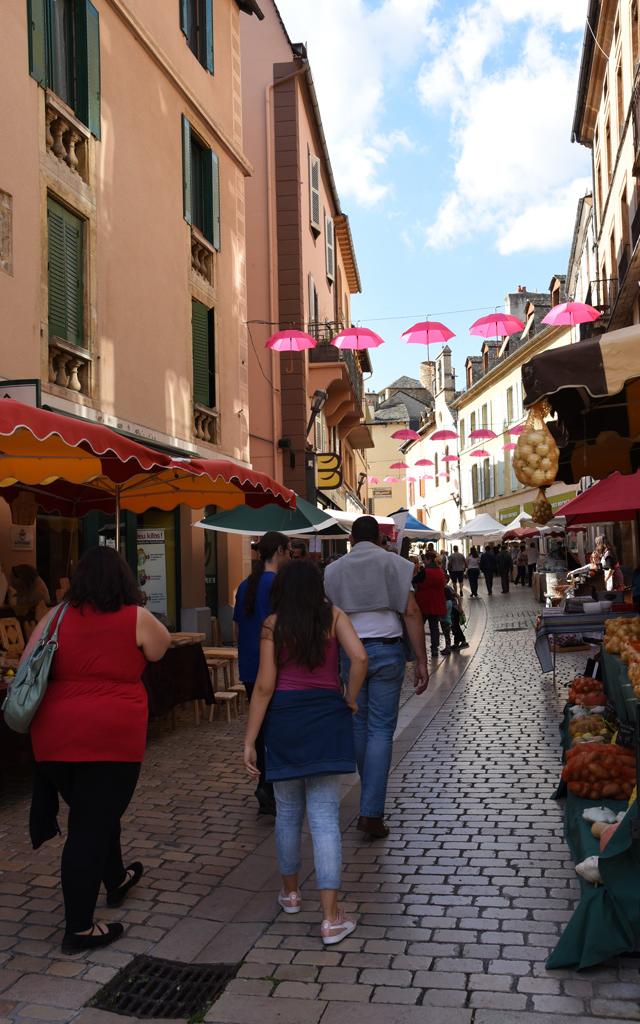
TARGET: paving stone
(346,993)
(558,1004)
(498,1001)
(387,994)
(44,989)
(230,1009)
(390,1013)
(615,1008)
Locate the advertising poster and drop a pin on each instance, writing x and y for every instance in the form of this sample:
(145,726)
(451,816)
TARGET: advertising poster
(152,569)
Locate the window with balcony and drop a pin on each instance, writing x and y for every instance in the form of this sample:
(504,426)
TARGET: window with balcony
(64,54)
(200,185)
(196,22)
(205,417)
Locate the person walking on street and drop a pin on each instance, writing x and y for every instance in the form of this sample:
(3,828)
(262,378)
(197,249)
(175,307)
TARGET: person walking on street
(505,567)
(374,588)
(488,567)
(308,727)
(443,560)
(532,561)
(457,566)
(473,570)
(253,605)
(89,736)
(429,586)
(450,623)
(522,562)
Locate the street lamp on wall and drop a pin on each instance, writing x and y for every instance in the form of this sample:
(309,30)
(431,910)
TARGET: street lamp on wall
(318,403)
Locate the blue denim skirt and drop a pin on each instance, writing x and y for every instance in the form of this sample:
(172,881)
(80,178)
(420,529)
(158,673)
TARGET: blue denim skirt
(308,732)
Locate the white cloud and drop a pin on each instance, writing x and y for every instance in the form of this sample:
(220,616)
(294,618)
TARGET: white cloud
(515,173)
(355,51)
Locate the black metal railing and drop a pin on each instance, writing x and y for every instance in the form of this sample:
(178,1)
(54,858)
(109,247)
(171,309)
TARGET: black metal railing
(325,352)
(604,292)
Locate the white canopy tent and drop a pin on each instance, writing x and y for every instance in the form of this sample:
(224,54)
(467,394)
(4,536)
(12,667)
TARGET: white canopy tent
(483,525)
(522,519)
(348,518)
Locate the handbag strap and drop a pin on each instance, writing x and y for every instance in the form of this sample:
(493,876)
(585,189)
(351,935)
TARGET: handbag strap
(57,617)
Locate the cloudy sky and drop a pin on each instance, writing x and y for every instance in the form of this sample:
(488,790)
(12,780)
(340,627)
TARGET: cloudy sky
(449,126)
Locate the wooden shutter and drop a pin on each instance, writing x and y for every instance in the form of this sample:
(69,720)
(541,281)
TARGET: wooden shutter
(186,170)
(37,29)
(93,70)
(184,17)
(203,361)
(208,35)
(474,482)
(330,247)
(314,192)
(65,274)
(215,201)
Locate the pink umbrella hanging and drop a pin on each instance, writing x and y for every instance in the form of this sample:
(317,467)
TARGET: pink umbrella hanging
(443,475)
(482,433)
(406,435)
(391,480)
(443,435)
(480,453)
(510,447)
(357,338)
(428,332)
(496,325)
(290,341)
(399,465)
(424,462)
(568,314)
(375,479)
(411,479)
(450,458)
(516,431)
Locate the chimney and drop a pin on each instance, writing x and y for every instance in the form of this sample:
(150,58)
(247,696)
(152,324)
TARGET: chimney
(428,376)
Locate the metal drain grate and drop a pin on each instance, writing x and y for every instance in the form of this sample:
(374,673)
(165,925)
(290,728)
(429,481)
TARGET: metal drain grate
(151,987)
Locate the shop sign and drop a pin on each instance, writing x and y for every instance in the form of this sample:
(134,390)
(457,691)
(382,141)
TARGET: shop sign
(505,515)
(152,569)
(382,492)
(328,471)
(25,391)
(22,538)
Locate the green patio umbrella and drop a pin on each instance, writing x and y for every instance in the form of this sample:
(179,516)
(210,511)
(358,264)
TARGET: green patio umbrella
(250,522)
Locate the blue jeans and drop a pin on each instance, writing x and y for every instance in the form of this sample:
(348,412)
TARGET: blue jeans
(320,794)
(375,722)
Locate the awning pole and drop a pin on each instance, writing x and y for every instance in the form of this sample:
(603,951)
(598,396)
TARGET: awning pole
(118,518)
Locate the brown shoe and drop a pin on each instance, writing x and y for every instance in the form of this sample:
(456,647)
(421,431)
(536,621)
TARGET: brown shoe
(375,828)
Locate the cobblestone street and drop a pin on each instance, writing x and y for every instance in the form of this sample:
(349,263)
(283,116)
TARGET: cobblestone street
(457,910)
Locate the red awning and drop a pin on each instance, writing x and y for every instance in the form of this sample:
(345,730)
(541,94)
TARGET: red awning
(610,500)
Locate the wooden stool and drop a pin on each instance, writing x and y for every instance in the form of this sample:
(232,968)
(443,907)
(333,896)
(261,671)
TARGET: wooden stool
(227,700)
(239,688)
(216,665)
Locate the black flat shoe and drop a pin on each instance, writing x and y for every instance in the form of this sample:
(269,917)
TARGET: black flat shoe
(116,896)
(375,828)
(74,943)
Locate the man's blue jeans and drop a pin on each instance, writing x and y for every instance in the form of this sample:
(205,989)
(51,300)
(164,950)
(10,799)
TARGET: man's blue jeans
(375,722)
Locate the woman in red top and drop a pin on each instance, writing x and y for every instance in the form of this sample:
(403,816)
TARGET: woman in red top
(89,733)
(429,585)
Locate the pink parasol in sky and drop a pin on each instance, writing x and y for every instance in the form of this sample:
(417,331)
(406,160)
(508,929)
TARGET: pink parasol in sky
(516,431)
(480,453)
(510,447)
(406,435)
(496,325)
(357,338)
(290,341)
(391,480)
(482,433)
(399,465)
(428,332)
(373,479)
(444,475)
(450,458)
(568,314)
(424,462)
(443,435)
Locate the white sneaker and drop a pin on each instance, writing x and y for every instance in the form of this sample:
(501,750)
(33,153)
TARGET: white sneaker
(291,902)
(333,932)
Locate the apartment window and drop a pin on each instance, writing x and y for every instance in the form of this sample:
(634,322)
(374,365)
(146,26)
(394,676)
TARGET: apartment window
(462,434)
(65,244)
(475,491)
(500,478)
(472,422)
(196,22)
(487,476)
(64,54)
(314,192)
(620,98)
(203,345)
(634,33)
(485,417)
(435,470)
(330,247)
(447,464)
(200,185)
(412,494)
(314,309)
(510,405)
(607,144)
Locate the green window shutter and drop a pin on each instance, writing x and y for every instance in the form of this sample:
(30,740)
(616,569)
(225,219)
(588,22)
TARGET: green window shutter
(208,33)
(65,276)
(37,29)
(215,199)
(93,70)
(184,17)
(186,169)
(202,362)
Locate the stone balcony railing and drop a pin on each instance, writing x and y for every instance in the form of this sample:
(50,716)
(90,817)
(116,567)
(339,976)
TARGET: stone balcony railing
(202,256)
(205,424)
(66,138)
(69,366)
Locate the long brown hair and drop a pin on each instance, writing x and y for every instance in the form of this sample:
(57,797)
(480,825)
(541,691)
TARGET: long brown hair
(266,548)
(304,614)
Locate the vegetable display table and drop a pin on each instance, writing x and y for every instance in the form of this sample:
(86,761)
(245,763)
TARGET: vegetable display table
(579,622)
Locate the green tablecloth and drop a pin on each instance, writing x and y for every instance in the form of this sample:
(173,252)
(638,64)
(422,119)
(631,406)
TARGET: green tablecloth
(606,922)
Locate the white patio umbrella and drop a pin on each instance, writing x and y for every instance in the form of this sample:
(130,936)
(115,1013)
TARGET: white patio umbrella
(483,525)
(522,519)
